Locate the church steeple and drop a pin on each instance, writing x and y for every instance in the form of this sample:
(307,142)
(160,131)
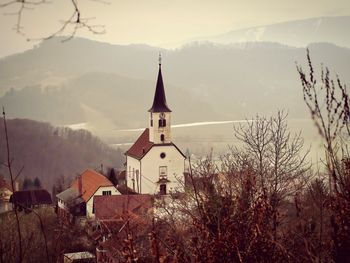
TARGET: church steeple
(160,114)
(159,101)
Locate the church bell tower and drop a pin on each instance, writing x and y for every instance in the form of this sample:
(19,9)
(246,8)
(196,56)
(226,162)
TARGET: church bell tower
(160,114)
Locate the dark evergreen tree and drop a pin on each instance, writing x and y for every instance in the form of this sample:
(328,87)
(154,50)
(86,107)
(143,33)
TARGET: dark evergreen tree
(112,177)
(27,184)
(37,183)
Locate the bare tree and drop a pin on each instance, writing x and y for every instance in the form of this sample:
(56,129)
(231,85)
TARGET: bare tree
(277,157)
(328,102)
(223,216)
(74,22)
(256,138)
(13,178)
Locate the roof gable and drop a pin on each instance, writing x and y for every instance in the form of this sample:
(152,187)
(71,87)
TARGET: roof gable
(141,146)
(90,182)
(169,144)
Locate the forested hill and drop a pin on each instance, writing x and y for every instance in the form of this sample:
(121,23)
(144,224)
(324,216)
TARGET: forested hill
(49,152)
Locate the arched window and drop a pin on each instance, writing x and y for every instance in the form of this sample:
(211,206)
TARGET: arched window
(160,123)
(164,122)
(162,137)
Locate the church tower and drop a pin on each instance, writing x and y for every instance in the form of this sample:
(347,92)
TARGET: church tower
(160,114)
(154,164)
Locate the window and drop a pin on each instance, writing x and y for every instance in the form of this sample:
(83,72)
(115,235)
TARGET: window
(151,123)
(162,137)
(106,192)
(162,171)
(162,189)
(162,120)
(162,155)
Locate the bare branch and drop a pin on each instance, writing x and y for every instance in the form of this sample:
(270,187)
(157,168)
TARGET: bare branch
(75,21)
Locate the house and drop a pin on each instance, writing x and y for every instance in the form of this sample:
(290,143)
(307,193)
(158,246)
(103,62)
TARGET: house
(82,192)
(71,207)
(154,164)
(31,198)
(115,214)
(5,194)
(116,207)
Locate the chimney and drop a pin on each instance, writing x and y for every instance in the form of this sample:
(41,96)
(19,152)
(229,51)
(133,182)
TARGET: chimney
(80,185)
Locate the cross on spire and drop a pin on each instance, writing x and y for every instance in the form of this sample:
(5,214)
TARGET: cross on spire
(160,59)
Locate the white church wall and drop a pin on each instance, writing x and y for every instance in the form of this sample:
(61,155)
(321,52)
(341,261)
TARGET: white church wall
(150,163)
(133,168)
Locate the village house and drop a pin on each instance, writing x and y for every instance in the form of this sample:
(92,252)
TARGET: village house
(77,201)
(154,164)
(116,207)
(5,194)
(113,215)
(71,207)
(31,199)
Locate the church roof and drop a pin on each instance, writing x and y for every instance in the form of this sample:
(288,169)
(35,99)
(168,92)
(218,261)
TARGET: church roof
(159,101)
(141,146)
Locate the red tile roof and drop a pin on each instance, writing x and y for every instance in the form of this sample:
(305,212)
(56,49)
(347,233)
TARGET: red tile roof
(90,182)
(141,146)
(115,206)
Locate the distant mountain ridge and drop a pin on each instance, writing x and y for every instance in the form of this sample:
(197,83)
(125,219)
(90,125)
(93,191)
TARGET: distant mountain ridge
(297,33)
(113,86)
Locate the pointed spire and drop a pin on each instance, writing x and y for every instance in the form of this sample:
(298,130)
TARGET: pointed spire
(159,101)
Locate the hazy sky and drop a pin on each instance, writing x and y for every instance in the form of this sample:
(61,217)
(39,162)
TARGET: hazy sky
(165,23)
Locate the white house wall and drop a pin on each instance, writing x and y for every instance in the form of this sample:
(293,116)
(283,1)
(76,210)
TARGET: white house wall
(90,202)
(150,163)
(5,195)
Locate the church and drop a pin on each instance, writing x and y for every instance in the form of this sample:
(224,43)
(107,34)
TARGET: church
(154,164)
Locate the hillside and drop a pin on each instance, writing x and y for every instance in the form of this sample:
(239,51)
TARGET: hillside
(112,86)
(48,152)
(297,33)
